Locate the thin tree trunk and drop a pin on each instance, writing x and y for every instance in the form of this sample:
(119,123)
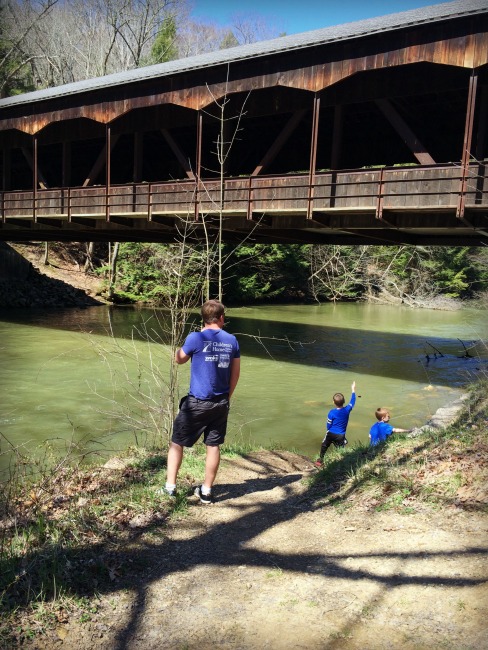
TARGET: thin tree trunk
(89,257)
(113,257)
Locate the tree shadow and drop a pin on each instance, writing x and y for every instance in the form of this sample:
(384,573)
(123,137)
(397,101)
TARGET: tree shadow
(106,567)
(367,351)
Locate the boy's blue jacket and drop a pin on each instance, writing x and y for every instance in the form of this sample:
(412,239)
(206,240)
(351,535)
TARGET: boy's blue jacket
(338,418)
(379,432)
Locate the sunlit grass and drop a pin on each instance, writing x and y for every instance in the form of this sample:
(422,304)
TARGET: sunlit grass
(408,473)
(64,527)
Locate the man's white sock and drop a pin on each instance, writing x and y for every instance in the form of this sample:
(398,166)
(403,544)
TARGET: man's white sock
(170,486)
(206,490)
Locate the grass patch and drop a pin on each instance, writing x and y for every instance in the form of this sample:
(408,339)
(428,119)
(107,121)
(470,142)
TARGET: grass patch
(439,468)
(66,532)
(61,532)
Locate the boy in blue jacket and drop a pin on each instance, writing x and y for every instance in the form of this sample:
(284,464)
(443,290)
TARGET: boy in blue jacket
(337,420)
(381,430)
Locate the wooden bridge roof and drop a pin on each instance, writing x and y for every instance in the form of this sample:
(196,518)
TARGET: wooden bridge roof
(430,16)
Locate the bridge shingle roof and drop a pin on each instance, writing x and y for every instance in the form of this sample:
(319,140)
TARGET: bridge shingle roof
(346,31)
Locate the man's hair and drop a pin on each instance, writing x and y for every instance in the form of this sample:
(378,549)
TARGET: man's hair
(338,399)
(380,413)
(212,310)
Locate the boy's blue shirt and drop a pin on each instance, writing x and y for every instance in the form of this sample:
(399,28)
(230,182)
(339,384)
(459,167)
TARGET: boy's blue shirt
(379,432)
(338,418)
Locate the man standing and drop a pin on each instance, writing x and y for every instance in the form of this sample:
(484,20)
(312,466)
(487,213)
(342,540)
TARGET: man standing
(215,369)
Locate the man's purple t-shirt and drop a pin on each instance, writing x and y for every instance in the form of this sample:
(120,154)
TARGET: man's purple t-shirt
(379,432)
(211,352)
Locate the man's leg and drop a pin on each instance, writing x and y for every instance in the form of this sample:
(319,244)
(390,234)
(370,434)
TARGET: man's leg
(175,456)
(212,462)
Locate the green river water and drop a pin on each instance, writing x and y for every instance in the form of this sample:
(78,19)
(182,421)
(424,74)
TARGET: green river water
(63,372)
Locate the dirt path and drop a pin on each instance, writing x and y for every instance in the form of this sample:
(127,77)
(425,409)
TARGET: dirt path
(268,566)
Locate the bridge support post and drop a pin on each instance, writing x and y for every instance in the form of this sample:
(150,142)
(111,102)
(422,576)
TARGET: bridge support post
(34,178)
(198,159)
(468,136)
(108,149)
(313,154)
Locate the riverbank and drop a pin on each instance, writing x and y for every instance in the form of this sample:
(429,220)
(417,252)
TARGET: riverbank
(69,263)
(393,539)
(26,281)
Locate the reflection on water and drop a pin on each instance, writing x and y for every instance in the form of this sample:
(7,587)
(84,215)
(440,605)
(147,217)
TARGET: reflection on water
(58,368)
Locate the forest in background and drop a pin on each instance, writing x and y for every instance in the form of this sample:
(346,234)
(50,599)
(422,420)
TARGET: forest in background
(46,43)
(431,277)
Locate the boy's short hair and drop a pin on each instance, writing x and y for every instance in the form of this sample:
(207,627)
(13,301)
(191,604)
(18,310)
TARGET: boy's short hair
(212,310)
(380,413)
(338,399)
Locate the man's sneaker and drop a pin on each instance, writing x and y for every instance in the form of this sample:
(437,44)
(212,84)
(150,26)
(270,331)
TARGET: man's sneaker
(318,463)
(166,493)
(207,499)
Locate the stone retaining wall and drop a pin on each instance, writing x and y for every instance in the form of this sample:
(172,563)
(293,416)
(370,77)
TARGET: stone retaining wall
(21,285)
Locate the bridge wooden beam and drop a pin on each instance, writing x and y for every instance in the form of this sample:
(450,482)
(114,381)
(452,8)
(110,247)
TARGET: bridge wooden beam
(468,138)
(405,132)
(176,149)
(313,154)
(100,162)
(30,161)
(198,157)
(277,145)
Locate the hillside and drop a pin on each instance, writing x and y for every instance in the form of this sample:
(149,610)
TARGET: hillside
(382,549)
(61,282)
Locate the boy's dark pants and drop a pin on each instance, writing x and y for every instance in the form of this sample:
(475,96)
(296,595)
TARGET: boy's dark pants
(337,439)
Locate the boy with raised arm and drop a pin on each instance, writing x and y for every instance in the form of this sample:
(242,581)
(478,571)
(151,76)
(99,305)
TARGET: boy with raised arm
(337,421)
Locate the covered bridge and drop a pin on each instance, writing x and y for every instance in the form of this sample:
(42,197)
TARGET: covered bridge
(368,132)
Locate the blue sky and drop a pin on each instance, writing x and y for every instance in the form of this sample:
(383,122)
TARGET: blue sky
(294,16)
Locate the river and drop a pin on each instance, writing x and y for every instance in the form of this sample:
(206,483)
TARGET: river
(66,375)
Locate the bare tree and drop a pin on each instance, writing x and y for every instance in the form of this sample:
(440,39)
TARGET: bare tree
(199,37)
(252,27)
(195,38)
(336,271)
(81,39)
(19,20)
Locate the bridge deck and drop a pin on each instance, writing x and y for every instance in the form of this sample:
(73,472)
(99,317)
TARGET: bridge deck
(397,204)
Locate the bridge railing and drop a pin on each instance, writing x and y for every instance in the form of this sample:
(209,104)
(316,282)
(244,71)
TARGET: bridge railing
(371,190)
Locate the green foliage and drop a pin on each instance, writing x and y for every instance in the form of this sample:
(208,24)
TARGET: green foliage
(282,273)
(15,77)
(457,271)
(164,46)
(153,272)
(272,272)
(229,40)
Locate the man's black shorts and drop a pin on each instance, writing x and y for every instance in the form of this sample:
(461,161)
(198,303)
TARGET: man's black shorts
(197,416)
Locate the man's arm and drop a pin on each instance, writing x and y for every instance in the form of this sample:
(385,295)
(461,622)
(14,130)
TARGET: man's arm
(395,430)
(181,357)
(235,371)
